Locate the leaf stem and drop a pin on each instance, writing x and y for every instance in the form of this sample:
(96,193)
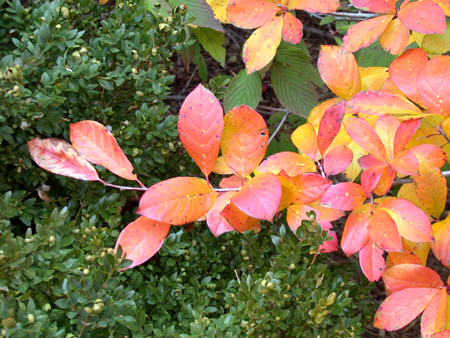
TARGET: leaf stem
(410,180)
(121,187)
(226,189)
(355,15)
(286,114)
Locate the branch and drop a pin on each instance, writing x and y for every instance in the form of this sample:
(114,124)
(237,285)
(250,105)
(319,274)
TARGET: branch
(279,127)
(353,15)
(410,180)
(226,189)
(121,187)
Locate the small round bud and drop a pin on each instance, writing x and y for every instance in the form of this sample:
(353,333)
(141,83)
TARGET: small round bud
(65,13)
(31,318)
(139,93)
(270,285)
(97,308)
(76,55)
(88,310)
(86,272)
(51,239)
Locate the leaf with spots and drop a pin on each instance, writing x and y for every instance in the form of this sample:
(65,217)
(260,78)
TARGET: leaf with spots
(231,182)
(375,6)
(337,160)
(403,134)
(315,6)
(244,140)
(310,188)
(431,154)
(424,17)
(261,47)
(292,163)
(200,126)
(345,196)
(433,318)
(404,71)
(219,8)
(251,13)
(330,125)
(142,239)
(401,308)
(383,232)
(305,139)
(365,32)
(98,146)
(259,197)
(218,224)
(59,157)
(363,134)
(238,219)
(441,245)
(221,167)
(405,163)
(177,201)
(395,38)
(432,84)
(431,189)
(292,30)
(356,231)
(371,261)
(339,71)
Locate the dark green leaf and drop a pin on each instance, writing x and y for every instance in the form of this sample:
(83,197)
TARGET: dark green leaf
(243,89)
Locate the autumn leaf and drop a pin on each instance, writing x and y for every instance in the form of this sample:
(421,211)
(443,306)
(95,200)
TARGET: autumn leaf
(244,140)
(433,318)
(142,239)
(238,219)
(292,30)
(405,163)
(330,126)
(221,168)
(217,224)
(424,17)
(288,190)
(97,144)
(363,134)
(314,6)
(371,261)
(251,13)
(305,139)
(259,197)
(344,196)
(337,160)
(403,134)
(310,188)
(231,182)
(356,231)
(292,163)
(395,38)
(59,157)
(441,245)
(431,154)
(339,71)
(375,5)
(177,201)
(383,232)
(200,126)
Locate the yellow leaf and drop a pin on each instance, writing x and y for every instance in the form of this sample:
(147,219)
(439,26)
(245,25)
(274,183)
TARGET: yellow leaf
(102,2)
(219,8)
(354,169)
(373,77)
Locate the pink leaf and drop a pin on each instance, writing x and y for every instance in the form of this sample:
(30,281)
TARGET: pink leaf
(344,196)
(216,222)
(371,261)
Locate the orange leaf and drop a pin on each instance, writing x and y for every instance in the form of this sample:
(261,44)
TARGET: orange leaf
(261,47)
(310,188)
(383,232)
(405,163)
(432,84)
(431,154)
(142,239)
(404,257)
(102,2)
(339,71)
(337,160)
(330,126)
(385,182)
(97,144)
(431,189)
(400,308)
(288,190)
(251,13)
(328,213)
(441,246)
(305,139)
(345,196)
(386,128)
(356,232)
(424,17)
(370,178)
(395,38)
(363,134)
(403,134)
(217,224)
(433,318)
(413,224)
(375,6)
(177,201)
(371,261)
(404,71)
(365,32)
(315,116)
(381,103)
(292,30)
(221,167)
(200,126)
(259,197)
(292,163)
(442,334)
(238,219)
(244,140)
(314,6)
(59,157)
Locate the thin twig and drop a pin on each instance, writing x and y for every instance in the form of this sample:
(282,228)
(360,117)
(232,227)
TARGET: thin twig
(239,281)
(189,81)
(279,127)
(121,187)
(232,37)
(410,180)
(355,15)
(226,189)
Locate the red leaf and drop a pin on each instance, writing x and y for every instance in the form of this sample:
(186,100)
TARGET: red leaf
(403,134)
(432,84)
(305,139)
(399,309)
(339,71)
(239,220)
(344,196)
(375,6)
(292,30)
(177,201)
(142,239)
(200,126)
(370,161)
(383,232)
(310,187)
(251,13)
(337,160)
(405,163)
(292,163)
(371,261)
(433,318)
(404,71)
(430,154)
(365,136)
(244,140)
(259,197)
(365,32)
(330,125)
(217,224)
(424,17)
(97,144)
(413,224)
(441,246)
(356,232)
(407,276)
(381,103)
(315,6)
(59,157)
(370,178)
(395,38)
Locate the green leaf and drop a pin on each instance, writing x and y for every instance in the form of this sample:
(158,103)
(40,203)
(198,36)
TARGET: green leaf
(212,41)
(201,11)
(202,69)
(243,89)
(63,303)
(327,19)
(105,84)
(44,33)
(295,56)
(187,54)
(294,90)
(160,6)
(375,56)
